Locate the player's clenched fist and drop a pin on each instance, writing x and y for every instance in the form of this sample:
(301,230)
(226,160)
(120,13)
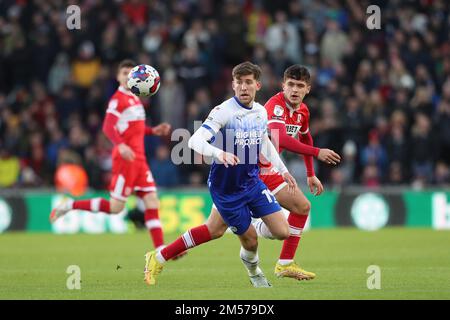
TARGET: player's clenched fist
(126,152)
(162,129)
(329,156)
(228,159)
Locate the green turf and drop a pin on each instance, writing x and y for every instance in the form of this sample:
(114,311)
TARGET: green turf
(415,264)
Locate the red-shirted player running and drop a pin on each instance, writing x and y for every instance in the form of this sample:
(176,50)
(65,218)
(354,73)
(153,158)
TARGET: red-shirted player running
(124,125)
(288,123)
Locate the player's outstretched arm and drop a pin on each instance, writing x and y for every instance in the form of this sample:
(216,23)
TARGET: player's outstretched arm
(162,129)
(285,141)
(199,143)
(325,155)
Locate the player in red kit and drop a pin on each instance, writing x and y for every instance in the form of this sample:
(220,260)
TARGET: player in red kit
(125,127)
(288,124)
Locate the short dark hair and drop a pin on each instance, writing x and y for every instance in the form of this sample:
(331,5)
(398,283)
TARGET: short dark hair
(127,63)
(246,68)
(297,72)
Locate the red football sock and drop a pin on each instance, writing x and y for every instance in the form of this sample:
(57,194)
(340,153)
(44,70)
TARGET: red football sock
(93,205)
(296,224)
(191,238)
(153,225)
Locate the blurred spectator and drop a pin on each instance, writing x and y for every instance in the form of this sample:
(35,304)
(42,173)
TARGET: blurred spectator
(282,39)
(172,100)
(379,97)
(9,168)
(136,11)
(192,72)
(165,172)
(423,152)
(348,168)
(371,176)
(86,66)
(233,26)
(397,144)
(259,21)
(396,173)
(442,174)
(334,42)
(443,124)
(374,159)
(59,74)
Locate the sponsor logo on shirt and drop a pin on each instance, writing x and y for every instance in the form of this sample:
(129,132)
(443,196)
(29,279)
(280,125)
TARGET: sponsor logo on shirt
(248,138)
(292,130)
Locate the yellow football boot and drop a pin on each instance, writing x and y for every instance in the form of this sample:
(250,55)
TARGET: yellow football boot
(152,268)
(292,270)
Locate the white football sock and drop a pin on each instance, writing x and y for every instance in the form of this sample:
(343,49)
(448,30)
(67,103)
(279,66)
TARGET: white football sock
(68,204)
(284,262)
(250,260)
(262,230)
(159,257)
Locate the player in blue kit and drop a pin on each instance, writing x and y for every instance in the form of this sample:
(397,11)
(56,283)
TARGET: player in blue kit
(235,135)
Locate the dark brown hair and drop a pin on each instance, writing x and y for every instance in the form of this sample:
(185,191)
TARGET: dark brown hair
(246,68)
(127,63)
(297,72)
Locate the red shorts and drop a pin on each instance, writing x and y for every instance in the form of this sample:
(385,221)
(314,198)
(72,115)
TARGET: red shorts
(129,177)
(273,180)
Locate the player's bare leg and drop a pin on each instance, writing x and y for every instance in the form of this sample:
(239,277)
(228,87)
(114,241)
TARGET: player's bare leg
(299,207)
(214,228)
(277,225)
(113,206)
(250,258)
(151,217)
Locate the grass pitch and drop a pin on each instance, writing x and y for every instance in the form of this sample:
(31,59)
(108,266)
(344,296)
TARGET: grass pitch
(414,263)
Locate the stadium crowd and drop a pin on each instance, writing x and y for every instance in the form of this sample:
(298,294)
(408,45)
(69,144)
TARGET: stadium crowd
(380,97)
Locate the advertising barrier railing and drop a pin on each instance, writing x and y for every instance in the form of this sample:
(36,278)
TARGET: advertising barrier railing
(183,209)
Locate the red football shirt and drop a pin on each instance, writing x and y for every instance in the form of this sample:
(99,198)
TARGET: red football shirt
(296,121)
(130,112)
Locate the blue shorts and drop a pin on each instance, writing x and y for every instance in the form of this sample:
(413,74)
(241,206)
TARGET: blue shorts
(237,210)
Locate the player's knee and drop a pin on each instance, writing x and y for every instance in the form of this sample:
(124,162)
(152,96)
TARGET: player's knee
(153,204)
(251,244)
(282,233)
(216,232)
(302,207)
(116,208)
(151,200)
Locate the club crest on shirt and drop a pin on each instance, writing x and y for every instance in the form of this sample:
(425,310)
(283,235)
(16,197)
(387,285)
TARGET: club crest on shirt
(278,111)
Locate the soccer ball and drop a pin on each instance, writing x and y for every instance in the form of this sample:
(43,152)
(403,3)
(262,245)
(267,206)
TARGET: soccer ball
(143,80)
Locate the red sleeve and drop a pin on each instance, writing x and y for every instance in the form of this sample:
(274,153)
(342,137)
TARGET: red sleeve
(109,128)
(283,141)
(148,131)
(307,139)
